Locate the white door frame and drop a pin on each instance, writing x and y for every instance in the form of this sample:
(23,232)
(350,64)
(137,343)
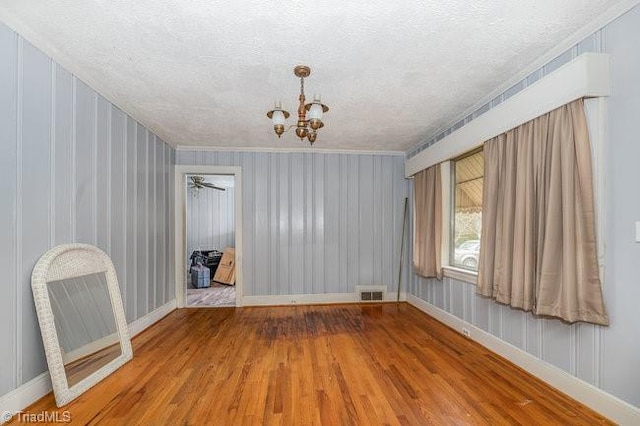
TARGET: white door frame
(181,172)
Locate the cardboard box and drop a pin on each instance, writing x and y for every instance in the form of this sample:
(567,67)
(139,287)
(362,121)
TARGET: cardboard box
(226,272)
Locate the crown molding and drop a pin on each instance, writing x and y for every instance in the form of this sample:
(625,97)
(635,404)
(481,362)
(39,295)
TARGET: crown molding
(185,148)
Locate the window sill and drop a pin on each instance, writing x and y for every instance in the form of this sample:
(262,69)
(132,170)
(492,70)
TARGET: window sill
(460,274)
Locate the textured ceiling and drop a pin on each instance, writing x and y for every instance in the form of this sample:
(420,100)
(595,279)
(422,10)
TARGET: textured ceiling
(206,72)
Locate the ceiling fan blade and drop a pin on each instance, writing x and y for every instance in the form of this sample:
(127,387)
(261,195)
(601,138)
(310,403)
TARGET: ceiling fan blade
(209,185)
(198,182)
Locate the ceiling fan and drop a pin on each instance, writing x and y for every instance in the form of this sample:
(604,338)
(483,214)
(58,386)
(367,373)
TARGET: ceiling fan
(196,183)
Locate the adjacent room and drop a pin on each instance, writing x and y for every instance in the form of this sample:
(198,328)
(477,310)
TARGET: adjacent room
(210,234)
(339,213)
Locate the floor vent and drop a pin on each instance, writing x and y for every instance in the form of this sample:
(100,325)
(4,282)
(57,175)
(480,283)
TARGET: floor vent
(371,293)
(370,296)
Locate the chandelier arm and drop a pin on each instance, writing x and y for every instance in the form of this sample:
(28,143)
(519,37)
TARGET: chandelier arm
(291,126)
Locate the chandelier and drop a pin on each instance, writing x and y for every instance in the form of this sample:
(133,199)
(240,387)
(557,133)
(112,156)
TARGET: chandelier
(305,128)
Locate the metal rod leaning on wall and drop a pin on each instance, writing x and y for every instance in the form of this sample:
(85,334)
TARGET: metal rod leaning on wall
(404,226)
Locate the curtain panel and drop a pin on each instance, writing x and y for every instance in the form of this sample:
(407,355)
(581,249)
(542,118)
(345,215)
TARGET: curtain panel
(427,230)
(538,244)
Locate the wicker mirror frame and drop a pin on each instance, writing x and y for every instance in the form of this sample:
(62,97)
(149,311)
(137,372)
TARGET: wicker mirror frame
(64,262)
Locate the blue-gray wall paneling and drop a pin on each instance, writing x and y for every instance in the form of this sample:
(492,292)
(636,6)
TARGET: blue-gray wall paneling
(8,195)
(620,343)
(33,209)
(70,173)
(316,223)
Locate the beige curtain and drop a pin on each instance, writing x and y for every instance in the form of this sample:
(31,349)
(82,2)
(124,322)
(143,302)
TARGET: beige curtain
(538,245)
(427,232)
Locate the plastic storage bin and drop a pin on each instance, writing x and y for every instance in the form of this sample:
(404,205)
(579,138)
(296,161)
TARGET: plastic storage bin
(200,276)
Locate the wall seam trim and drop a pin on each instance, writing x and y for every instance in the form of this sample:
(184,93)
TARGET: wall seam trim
(74,109)
(94,141)
(109,177)
(18,201)
(125,207)
(135,217)
(52,156)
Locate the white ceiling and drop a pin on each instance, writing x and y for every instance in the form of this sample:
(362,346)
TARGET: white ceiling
(204,73)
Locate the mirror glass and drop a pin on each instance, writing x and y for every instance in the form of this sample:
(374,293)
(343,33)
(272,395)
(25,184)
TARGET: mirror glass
(84,321)
(81,316)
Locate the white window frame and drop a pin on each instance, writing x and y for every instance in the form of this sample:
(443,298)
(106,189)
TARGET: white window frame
(449,270)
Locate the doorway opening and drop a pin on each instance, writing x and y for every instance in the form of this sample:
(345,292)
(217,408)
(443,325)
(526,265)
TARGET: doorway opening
(208,236)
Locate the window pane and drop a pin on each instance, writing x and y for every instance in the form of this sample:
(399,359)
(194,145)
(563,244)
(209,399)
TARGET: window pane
(467,182)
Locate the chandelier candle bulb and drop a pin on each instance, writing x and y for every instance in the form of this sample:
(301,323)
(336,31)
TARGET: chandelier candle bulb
(315,114)
(278,117)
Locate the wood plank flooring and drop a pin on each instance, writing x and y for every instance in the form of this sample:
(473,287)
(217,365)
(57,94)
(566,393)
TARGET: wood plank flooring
(320,365)
(215,295)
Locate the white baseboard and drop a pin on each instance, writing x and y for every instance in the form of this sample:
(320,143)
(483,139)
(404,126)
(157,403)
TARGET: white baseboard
(25,395)
(312,299)
(141,324)
(604,403)
(20,398)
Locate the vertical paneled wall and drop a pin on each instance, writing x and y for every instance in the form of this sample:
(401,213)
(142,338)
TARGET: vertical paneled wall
(620,344)
(316,223)
(73,168)
(606,357)
(210,219)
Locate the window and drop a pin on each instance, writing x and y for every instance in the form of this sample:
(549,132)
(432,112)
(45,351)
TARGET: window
(467,173)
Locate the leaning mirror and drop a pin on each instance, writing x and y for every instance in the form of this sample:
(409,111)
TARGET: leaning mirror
(81,316)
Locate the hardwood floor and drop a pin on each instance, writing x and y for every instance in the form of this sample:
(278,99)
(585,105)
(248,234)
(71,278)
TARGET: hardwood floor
(329,365)
(215,295)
